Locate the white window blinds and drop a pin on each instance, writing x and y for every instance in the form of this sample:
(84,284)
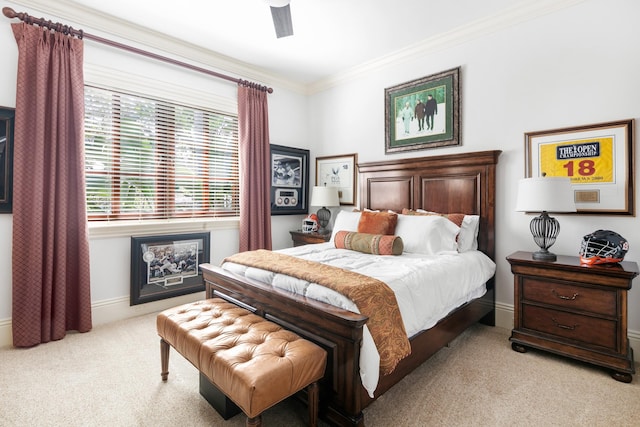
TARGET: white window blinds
(152,159)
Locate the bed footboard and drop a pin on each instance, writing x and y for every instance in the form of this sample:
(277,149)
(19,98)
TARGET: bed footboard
(336,330)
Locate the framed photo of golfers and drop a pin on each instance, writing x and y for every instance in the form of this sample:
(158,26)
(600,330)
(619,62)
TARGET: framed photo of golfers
(423,113)
(598,159)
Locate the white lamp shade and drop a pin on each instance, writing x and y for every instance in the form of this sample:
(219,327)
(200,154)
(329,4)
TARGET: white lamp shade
(545,194)
(325,196)
(277,3)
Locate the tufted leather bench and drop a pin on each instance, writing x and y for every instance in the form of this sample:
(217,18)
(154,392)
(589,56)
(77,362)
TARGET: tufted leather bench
(253,361)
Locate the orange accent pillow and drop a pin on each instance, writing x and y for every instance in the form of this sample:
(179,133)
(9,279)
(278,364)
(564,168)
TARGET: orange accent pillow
(376,244)
(377,223)
(456,218)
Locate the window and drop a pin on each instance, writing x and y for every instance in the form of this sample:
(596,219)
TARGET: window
(152,159)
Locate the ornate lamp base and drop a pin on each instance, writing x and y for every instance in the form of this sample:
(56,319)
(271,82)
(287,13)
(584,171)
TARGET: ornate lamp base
(324,215)
(544,229)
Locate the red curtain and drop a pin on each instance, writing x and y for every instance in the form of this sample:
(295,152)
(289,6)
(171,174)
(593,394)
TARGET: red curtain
(50,255)
(255,169)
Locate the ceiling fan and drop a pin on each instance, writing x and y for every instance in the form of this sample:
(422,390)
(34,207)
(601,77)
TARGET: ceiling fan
(281,14)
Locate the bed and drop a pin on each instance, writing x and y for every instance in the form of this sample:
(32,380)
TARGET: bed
(461,183)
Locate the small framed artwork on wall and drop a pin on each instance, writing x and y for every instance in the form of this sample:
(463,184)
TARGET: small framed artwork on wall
(289,180)
(340,172)
(6,159)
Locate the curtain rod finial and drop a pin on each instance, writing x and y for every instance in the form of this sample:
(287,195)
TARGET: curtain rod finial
(8,12)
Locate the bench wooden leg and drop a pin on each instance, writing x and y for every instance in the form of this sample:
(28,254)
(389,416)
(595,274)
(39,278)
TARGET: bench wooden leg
(164,358)
(255,421)
(312,396)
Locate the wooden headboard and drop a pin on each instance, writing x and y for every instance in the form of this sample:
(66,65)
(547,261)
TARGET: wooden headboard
(456,183)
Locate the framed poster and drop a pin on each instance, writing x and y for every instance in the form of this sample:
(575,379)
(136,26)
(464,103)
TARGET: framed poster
(597,158)
(167,266)
(423,113)
(289,180)
(7,116)
(338,171)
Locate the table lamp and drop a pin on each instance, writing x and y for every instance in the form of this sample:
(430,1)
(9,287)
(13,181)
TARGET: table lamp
(324,196)
(544,195)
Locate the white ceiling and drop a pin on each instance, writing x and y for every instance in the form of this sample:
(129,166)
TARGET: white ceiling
(330,36)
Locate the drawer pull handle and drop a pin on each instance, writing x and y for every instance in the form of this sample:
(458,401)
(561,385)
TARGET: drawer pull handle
(571,298)
(561,326)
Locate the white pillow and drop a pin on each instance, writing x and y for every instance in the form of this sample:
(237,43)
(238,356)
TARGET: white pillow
(347,221)
(427,234)
(468,236)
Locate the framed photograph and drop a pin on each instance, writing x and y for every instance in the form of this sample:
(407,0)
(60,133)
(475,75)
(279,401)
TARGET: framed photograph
(423,113)
(598,158)
(289,180)
(167,266)
(7,116)
(338,171)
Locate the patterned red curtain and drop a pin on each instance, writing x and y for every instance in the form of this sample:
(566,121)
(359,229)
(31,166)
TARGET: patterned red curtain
(255,169)
(51,280)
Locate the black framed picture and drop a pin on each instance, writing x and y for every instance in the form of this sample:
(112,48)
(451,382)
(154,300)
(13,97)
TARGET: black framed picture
(7,116)
(167,266)
(289,180)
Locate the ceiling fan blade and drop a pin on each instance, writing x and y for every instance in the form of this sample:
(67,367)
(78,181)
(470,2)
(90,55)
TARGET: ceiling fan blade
(282,21)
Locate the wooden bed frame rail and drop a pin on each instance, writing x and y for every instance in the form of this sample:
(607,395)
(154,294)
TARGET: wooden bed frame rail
(460,183)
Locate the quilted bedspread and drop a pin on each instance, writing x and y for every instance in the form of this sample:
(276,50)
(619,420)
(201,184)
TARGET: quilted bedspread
(373,297)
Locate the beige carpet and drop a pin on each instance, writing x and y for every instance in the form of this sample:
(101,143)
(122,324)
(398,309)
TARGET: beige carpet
(111,377)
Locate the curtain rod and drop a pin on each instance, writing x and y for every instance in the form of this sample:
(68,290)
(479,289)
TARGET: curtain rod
(67,30)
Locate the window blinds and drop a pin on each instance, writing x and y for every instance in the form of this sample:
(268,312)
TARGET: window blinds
(152,159)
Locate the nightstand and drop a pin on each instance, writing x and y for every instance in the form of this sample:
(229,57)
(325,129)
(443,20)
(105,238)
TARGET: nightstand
(299,238)
(573,310)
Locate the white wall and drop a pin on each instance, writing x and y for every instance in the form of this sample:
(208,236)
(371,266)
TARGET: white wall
(110,254)
(7,99)
(573,67)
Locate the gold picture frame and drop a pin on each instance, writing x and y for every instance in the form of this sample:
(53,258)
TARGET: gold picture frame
(598,158)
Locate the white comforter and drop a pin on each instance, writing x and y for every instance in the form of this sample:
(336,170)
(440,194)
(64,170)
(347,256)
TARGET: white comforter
(427,288)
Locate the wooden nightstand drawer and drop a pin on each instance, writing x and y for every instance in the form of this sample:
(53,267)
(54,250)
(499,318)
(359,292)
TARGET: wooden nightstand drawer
(573,310)
(591,331)
(600,301)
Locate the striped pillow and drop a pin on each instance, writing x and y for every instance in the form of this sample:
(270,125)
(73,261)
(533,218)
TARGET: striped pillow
(376,244)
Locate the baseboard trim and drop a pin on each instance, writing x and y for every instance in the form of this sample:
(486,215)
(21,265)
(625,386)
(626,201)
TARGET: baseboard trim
(5,333)
(504,316)
(111,310)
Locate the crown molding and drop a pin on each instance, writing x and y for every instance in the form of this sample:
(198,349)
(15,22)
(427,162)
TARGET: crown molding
(116,27)
(125,32)
(446,40)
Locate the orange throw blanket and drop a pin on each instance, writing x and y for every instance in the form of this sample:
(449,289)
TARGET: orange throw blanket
(373,298)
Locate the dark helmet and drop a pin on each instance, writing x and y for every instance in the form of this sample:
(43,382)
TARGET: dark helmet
(603,246)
